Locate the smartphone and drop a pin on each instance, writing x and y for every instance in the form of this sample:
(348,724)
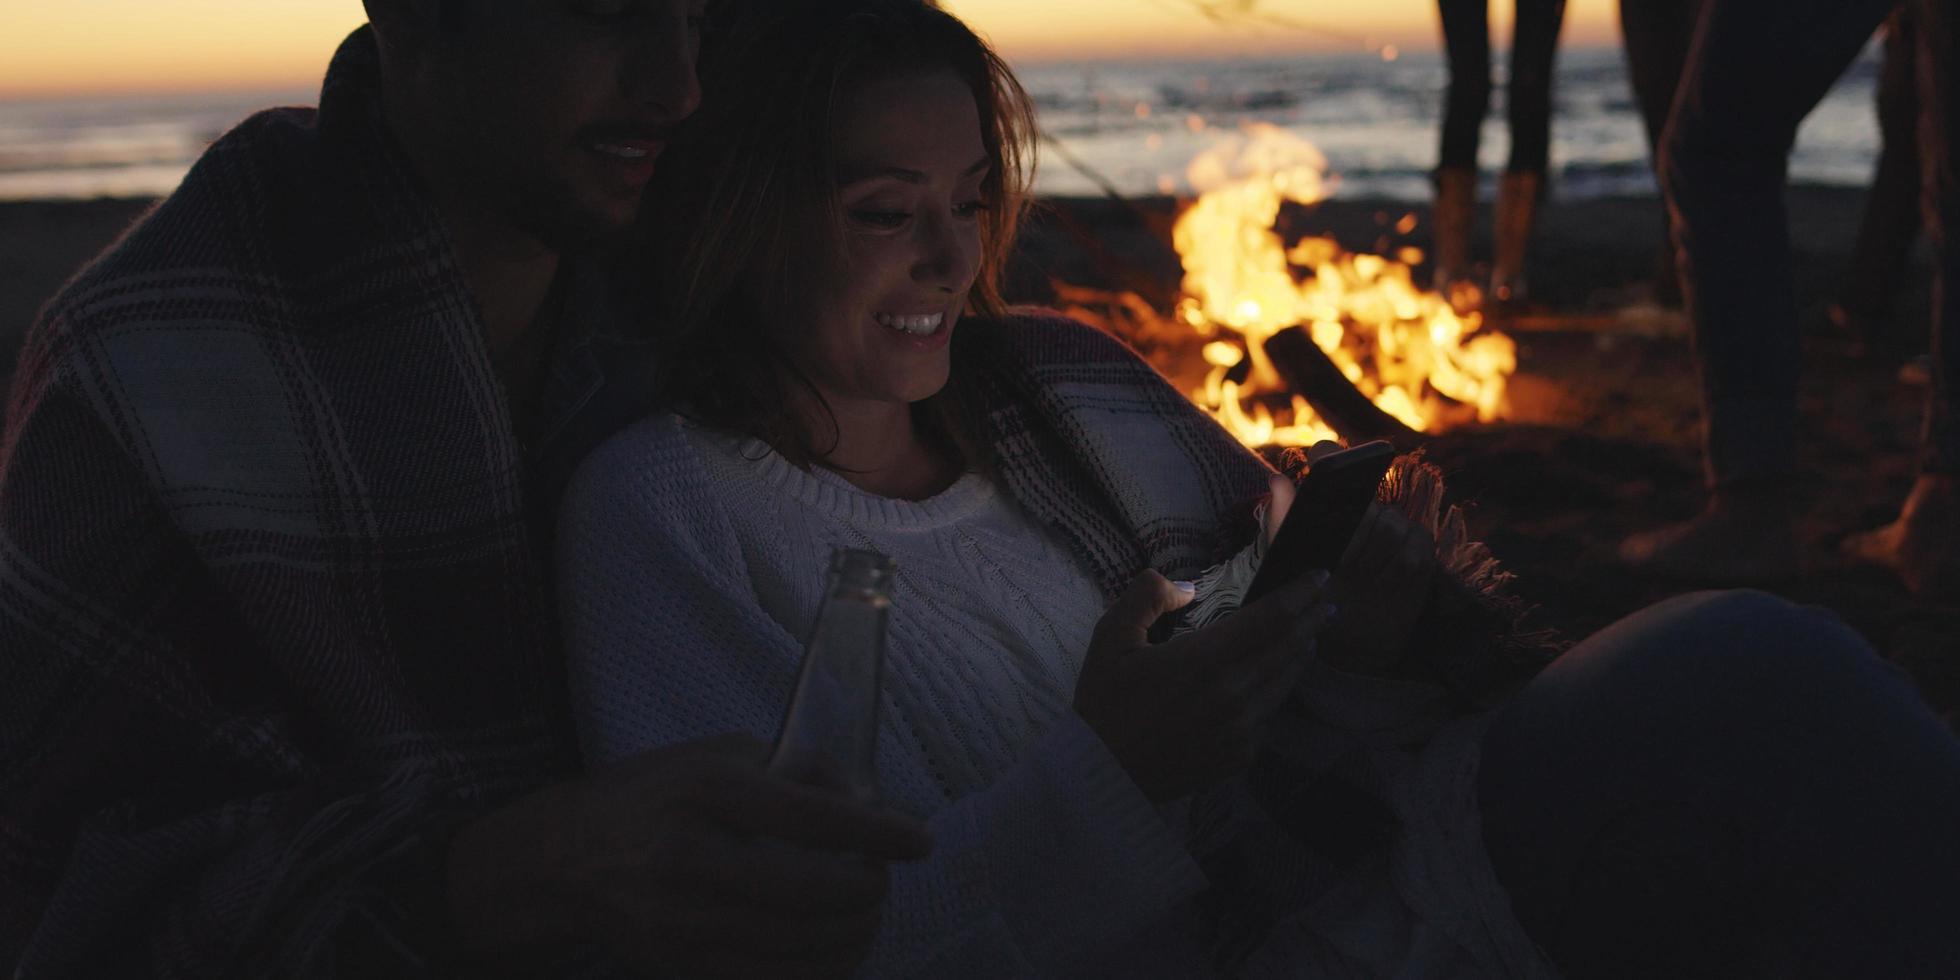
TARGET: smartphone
(1328,506)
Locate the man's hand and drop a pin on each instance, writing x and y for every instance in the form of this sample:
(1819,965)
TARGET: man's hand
(1185,714)
(686,860)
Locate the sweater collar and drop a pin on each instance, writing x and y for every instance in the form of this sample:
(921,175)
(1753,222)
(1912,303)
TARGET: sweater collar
(831,494)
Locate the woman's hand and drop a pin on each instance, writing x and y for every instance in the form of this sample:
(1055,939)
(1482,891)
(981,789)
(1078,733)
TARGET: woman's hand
(1182,715)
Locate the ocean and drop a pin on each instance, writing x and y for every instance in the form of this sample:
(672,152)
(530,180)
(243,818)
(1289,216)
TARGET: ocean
(1132,125)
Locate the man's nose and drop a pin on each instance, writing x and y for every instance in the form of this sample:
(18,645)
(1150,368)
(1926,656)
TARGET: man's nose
(661,74)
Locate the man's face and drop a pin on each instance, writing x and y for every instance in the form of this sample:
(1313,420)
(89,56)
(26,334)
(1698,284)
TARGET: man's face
(551,113)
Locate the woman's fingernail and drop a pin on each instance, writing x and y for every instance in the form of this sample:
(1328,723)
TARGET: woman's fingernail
(1188,588)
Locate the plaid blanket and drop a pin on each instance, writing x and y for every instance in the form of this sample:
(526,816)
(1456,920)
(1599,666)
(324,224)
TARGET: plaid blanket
(273,615)
(1084,432)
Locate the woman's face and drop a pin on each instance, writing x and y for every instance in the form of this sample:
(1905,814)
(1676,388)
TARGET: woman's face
(910,161)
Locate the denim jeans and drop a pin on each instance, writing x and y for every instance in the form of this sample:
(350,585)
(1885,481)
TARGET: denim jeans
(1755,70)
(1727,785)
(1527,93)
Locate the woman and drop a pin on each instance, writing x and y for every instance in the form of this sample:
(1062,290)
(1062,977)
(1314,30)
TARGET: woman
(843,374)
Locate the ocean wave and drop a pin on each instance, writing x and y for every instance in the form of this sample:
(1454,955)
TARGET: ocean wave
(1135,125)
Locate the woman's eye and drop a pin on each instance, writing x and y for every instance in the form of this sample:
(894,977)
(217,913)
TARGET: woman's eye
(881,219)
(970,209)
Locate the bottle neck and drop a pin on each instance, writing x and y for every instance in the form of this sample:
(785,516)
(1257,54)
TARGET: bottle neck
(860,574)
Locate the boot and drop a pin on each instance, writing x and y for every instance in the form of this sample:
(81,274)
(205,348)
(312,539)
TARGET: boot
(1456,206)
(1517,212)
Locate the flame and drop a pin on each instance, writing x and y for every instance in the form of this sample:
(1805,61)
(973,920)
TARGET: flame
(1406,348)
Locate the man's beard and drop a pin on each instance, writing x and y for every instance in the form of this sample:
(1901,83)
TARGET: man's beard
(550,211)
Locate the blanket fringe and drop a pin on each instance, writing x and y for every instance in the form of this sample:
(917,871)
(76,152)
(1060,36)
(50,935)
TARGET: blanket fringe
(1481,650)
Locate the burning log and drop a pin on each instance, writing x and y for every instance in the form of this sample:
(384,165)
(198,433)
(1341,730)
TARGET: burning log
(1310,373)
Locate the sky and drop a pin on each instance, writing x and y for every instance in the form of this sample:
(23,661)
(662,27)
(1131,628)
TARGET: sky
(85,46)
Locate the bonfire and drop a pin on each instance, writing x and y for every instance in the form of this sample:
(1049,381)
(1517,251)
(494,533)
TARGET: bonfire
(1290,343)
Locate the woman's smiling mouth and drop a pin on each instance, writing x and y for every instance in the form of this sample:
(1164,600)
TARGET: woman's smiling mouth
(917,324)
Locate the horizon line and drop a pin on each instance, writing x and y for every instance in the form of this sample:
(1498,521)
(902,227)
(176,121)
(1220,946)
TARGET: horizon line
(1042,58)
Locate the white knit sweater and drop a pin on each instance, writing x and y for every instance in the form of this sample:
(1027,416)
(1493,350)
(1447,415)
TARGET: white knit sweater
(694,563)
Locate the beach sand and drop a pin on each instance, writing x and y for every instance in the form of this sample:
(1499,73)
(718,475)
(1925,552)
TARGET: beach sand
(1602,439)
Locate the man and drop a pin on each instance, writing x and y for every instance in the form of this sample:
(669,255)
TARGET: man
(1756,68)
(279,689)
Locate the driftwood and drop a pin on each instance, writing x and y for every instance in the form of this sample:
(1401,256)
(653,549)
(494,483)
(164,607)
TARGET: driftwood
(1312,375)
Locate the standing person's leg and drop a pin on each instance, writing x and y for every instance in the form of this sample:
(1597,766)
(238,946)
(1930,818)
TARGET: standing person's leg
(1528,106)
(1466,44)
(1466,48)
(1528,90)
(1937,26)
(1755,71)
(1657,34)
(1892,208)
(1923,545)
(1727,785)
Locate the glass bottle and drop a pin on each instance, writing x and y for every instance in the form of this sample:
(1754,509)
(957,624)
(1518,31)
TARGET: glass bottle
(830,731)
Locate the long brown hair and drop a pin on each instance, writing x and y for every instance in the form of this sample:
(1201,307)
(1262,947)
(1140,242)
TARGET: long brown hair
(744,216)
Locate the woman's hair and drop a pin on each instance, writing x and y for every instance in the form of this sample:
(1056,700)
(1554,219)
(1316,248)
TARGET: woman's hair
(743,218)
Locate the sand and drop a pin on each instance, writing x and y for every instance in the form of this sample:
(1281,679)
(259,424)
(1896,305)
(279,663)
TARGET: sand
(1603,435)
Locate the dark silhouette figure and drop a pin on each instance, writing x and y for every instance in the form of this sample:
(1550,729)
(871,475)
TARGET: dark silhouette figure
(1755,69)
(1657,34)
(1528,110)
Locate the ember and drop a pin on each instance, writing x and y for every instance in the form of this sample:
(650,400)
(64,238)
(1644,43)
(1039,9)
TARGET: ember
(1405,348)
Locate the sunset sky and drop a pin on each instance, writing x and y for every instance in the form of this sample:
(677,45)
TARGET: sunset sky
(164,45)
